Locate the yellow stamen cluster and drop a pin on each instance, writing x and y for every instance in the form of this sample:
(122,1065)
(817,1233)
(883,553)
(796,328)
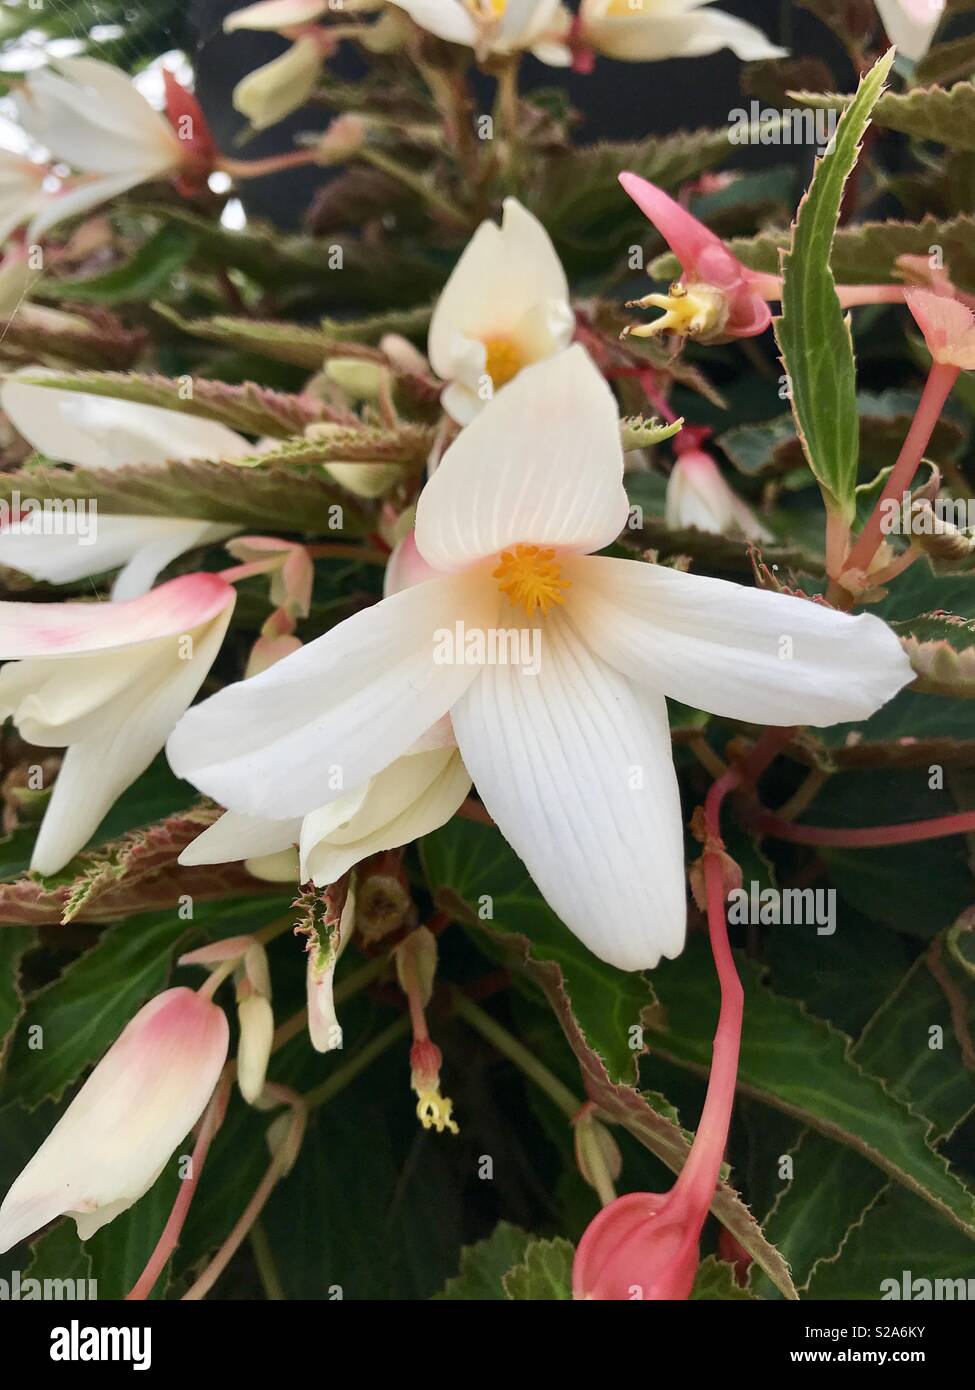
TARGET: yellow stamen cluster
(530,576)
(434,1112)
(695,311)
(503,360)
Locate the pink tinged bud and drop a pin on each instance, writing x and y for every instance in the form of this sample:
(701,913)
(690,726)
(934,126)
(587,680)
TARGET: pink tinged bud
(115,1137)
(947,325)
(731,298)
(643,1246)
(698,496)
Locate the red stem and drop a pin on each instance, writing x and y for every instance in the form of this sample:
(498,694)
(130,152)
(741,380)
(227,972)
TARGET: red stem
(212,1120)
(937,388)
(867,837)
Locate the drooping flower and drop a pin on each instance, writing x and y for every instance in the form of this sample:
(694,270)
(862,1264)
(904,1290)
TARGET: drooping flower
(114,1139)
(502,27)
(642,1247)
(640,31)
(699,496)
(505,306)
(717,297)
(107,682)
(553,664)
(911,24)
(91,116)
(102,433)
(272,91)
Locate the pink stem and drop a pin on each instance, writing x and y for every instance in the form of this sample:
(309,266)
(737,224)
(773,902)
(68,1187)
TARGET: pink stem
(937,389)
(212,1120)
(852,295)
(870,836)
(699,1176)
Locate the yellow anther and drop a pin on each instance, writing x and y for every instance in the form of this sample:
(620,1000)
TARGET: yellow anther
(530,576)
(503,360)
(698,311)
(434,1112)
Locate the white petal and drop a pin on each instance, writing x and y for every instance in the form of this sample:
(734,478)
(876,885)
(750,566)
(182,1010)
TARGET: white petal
(414,796)
(448,19)
(234,837)
(335,713)
(575,766)
(742,653)
(911,24)
(543,465)
(99,432)
(145,545)
(91,116)
(97,769)
(275,14)
(80,629)
(80,195)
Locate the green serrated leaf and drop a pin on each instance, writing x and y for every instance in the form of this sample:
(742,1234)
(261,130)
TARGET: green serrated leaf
(813,333)
(715,1280)
(545,1272)
(484,1265)
(250,408)
(946,115)
(804,1068)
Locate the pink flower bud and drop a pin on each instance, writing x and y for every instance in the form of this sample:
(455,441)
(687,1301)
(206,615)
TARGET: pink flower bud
(643,1246)
(114,1139)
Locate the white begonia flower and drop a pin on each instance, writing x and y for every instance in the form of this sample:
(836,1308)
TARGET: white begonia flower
(91,116)
(116,1136)
(911,24)
(501,27)
(22,192)
(699,496)
(505,306)
(572,761)
(640,31)
(102,433)
(107,682)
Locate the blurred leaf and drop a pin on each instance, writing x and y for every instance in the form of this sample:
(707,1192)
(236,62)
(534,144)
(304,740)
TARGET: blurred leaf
(148,272)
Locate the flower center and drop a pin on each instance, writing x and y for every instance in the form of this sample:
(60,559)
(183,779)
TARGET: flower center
(622,9)
(487,9)
(698,310)
(503,360)
(530,576)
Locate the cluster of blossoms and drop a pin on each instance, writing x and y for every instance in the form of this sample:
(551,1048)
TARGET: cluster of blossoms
(363,740)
